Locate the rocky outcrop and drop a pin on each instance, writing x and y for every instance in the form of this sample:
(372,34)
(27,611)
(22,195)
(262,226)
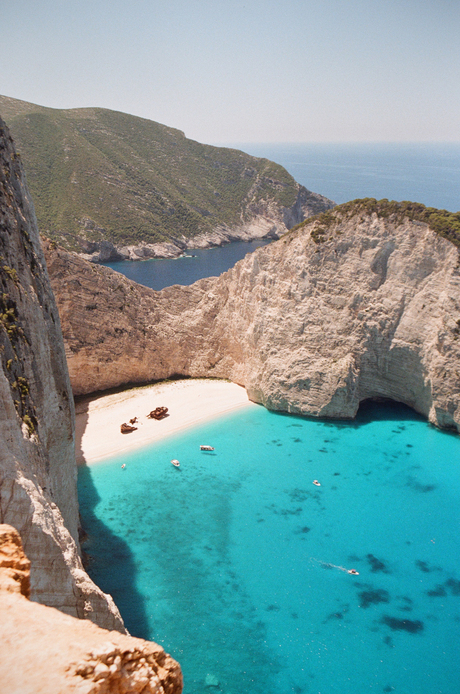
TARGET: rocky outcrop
(45,651)
(14,565)
(38,492)
(360,303)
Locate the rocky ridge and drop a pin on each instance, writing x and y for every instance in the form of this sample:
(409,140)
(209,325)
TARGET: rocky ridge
(45,651)
(38,493)
(364,303)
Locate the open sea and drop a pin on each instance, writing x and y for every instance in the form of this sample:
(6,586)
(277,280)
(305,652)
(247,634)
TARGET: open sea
(428,173)
(238,564)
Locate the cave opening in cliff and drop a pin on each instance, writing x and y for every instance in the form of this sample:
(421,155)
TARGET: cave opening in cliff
(385,409)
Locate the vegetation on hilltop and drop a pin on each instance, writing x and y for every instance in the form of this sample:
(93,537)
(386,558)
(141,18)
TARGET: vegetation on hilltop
(96,174)
(444,223)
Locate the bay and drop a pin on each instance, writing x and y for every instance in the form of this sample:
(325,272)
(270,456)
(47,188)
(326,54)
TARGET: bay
(238,564)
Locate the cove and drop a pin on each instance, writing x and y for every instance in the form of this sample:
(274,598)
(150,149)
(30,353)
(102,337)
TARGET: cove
(236,563)
(196,264)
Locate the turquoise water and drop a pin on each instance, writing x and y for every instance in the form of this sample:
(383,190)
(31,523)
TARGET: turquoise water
(237,563)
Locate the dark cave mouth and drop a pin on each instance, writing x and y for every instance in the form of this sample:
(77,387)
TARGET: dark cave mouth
(385,409)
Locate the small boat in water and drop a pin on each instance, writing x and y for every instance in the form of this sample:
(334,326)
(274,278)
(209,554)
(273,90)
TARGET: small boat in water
(175,463)
(206,448)
(318,484)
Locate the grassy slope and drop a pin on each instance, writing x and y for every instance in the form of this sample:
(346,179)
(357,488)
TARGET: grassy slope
(101,174)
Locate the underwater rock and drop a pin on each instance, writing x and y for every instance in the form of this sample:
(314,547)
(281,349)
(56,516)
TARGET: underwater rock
(211,681)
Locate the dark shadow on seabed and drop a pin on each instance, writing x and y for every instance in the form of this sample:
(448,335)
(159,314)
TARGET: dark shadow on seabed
(99,541)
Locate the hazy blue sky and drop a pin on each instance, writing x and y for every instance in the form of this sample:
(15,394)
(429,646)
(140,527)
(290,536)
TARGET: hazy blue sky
(244,70)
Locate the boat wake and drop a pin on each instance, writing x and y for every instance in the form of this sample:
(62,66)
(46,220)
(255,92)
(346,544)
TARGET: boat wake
(328,565)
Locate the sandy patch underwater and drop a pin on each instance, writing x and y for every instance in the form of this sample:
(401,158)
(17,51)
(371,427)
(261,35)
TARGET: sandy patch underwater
(233,562)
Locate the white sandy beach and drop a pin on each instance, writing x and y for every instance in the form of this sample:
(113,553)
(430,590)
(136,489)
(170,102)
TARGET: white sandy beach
(189,402)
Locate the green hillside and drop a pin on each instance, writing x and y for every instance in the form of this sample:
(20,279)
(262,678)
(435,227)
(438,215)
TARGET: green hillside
(97,174)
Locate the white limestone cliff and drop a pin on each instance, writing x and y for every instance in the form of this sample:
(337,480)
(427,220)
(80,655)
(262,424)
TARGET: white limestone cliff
(366,306)
(38,494)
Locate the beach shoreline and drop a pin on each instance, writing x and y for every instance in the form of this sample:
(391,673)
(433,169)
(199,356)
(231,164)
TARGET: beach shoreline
(189,401)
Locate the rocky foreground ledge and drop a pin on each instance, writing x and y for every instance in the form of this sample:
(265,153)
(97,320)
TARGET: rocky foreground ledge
(361,302)
(45,651)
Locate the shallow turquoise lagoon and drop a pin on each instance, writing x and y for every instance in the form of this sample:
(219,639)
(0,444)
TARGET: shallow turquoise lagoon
(237,563)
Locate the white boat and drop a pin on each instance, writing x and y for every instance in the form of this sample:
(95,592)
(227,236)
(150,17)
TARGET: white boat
(175,463)
(206,448)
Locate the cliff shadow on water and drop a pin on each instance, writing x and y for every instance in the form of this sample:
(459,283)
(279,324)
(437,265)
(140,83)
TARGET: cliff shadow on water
(103,549)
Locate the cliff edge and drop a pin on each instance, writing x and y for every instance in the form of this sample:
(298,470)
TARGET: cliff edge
(45,651)
(38,493)
(360,302)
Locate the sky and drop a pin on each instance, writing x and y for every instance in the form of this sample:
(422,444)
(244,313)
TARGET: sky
(228,71)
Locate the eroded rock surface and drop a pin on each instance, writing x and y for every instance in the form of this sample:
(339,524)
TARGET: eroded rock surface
(315,323)
(38,492)
(45,651)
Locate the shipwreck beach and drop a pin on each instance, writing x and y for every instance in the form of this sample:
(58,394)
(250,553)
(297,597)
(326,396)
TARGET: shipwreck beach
(189,402)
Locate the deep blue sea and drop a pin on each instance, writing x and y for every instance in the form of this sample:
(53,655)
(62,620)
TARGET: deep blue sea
(238,564)
(428,173)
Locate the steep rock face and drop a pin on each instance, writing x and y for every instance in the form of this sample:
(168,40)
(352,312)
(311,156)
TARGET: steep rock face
(314,323)
(44,651)
(37,457)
